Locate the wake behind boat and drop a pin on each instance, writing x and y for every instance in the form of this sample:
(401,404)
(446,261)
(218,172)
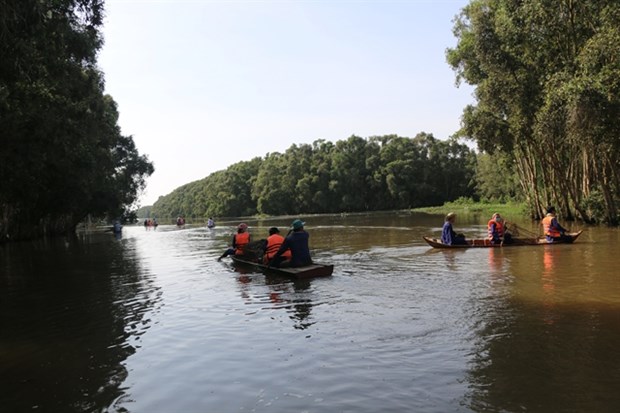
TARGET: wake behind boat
(516,242)
(308,271)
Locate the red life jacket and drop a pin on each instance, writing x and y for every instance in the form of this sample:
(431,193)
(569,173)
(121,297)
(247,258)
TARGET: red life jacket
(499,228)
(548,229)
(273,245)
(241,241)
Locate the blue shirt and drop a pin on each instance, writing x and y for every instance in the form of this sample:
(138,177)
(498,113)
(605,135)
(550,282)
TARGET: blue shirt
(447,233)
(297,242)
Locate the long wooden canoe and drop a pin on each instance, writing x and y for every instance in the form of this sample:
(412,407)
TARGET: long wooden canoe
(308,271)
(485,243)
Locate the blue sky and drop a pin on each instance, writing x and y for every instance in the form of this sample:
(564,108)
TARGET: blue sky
(201,85)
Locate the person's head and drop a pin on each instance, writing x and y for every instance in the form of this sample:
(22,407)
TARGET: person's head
(550,209)
(274,230)
(297,225)
(451,216)
(497,217)
(242,227)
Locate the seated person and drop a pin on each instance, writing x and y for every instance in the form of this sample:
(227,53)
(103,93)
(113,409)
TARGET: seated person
(554,232)
(498,232)
(273,244)
(297,243)
(448,236)
(239,241)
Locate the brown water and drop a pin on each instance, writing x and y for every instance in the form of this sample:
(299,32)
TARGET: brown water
(151,322)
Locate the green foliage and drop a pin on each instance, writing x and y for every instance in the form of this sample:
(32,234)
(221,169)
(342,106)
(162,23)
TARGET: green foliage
(548,96)
(353,175)
(62,155)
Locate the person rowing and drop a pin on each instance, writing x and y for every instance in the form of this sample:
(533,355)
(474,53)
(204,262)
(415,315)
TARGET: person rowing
(297,243)
(554,232)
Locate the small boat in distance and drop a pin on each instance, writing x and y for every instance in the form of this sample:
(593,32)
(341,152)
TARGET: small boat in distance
(308,271)
(516,242)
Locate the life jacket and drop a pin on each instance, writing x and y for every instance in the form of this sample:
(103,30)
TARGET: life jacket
(274,242)
(548,229)
(241,241)
(499,228)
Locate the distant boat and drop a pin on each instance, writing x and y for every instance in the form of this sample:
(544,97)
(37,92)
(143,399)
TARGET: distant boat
(516,242)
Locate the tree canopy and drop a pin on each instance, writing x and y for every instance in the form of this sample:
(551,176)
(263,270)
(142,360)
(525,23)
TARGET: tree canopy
(547,78)
(352,175)
(62,156)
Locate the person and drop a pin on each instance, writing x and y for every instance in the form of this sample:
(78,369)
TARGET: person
(273,244)
(297,243)
(448,236)
(210,223)
(554,232)
(239,241)
(498,232)
(117,228)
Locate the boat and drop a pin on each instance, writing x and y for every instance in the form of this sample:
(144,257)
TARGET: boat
(308,271)
(516,242)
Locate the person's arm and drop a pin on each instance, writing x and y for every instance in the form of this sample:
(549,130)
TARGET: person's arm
(234,241)
(555,224)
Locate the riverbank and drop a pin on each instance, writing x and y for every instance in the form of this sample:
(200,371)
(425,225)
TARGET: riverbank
(512,209)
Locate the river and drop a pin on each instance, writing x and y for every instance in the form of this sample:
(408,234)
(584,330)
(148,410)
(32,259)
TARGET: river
(151,322)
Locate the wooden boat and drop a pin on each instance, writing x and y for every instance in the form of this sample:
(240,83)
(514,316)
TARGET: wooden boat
(485,243)
(308,271)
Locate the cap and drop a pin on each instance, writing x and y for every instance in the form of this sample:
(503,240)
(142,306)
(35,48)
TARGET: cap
(298,223)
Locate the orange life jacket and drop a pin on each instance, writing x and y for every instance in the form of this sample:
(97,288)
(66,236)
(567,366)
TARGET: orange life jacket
(241,241)
(499,228)
(273,245)
(548,229)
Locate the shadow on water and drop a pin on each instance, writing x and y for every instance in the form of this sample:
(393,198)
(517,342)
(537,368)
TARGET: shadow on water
(89,299)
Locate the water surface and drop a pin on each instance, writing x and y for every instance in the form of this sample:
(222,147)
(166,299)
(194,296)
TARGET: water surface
(151,322)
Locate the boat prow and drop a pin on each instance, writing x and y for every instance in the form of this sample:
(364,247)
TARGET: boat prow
(308,271)
(485,243)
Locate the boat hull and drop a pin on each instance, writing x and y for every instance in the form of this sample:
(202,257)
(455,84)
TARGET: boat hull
(308,271)
(485,243)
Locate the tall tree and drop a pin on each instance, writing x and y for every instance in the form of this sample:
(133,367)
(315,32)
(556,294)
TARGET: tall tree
(62,156)
(547,95)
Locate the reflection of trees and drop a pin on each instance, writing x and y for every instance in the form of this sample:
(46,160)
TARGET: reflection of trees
(72,310)
(525,363)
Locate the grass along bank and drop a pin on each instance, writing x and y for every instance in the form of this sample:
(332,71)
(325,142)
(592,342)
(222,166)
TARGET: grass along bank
(468,206)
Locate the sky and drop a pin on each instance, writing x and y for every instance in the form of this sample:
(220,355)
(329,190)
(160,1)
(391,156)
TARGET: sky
(201,85)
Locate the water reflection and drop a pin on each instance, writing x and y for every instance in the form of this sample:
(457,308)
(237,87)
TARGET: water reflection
(292,295)
(544,340)
(72,312)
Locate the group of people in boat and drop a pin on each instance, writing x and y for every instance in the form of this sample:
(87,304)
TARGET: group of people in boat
(150,223)
(498,231)
(276,250)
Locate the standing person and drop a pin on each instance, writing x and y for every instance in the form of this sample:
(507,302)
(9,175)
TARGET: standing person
(239,241)
(498,231)
(273,244)
(554,232)
(297,243)
(448,236)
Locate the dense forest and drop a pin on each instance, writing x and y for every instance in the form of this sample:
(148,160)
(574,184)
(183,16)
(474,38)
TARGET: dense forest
(352,175)
(547,85)
(62,156)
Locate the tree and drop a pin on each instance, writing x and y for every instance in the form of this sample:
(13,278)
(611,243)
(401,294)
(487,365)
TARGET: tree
(547,95)
(62,156)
